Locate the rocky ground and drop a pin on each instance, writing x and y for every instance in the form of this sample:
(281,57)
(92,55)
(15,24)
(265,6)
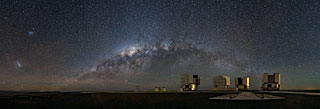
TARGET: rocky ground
(149,100)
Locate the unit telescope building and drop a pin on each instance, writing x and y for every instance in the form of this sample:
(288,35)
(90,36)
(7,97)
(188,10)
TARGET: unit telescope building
(189,82)
(221,83)
(270,82)
(242,83)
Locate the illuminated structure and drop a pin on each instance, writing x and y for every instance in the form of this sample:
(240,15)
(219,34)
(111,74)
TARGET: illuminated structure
(159,89)
(163,89)
(221,81)
(271,82)
(242,83)
(156,89)
(189,82)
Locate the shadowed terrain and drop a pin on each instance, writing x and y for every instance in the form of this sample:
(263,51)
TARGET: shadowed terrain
(146,100)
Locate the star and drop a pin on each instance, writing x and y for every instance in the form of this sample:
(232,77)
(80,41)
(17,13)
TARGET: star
(18,64)
(31,33)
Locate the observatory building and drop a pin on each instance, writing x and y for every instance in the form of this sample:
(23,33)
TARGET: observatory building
(156,89)
(159,89)
(271,82)
(163,89)
(221,81)
(189,82)
(242,83)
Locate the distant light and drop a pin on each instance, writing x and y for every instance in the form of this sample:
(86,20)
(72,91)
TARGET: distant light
(31,33)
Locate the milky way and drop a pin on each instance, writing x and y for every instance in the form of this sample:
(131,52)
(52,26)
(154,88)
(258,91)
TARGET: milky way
(118,45)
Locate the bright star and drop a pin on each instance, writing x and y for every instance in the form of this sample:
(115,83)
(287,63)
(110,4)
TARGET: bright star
(31,33)
(18,64)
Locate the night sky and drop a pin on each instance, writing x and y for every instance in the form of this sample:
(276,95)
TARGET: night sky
(70,45)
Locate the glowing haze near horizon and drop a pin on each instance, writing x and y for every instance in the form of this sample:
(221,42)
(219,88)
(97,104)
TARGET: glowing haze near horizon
(71,45)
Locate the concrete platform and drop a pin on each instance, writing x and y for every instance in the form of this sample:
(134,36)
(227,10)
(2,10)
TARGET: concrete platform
(246,96)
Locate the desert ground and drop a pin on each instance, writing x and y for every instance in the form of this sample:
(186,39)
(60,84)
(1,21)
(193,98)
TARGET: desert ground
(149,100)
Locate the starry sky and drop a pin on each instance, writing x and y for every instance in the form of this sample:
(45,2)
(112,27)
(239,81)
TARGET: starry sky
(73,45)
